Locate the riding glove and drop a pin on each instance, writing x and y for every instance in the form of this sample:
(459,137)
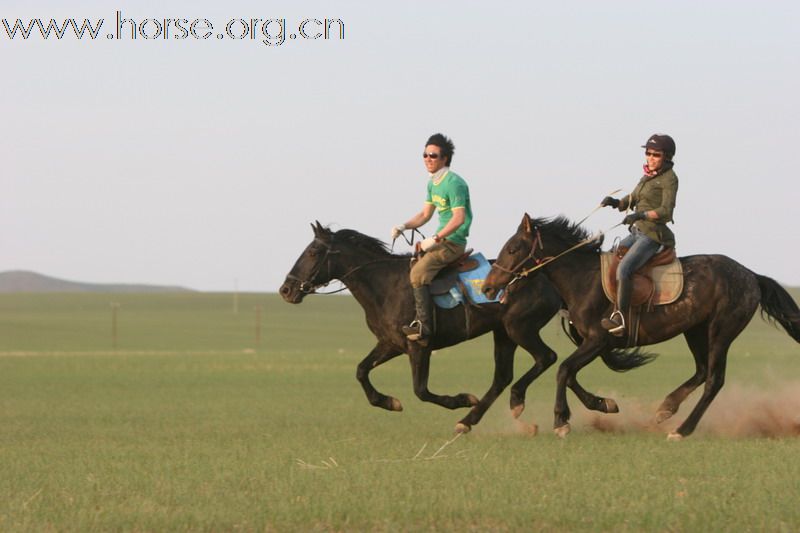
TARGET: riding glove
(428,244)
(609,201)
(398,230)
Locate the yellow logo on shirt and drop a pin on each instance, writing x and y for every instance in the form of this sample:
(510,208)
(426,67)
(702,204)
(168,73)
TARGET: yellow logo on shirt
(439,201)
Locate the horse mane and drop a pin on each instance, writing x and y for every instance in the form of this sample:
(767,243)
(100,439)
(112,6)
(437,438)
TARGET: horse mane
(568,232)
(365,242)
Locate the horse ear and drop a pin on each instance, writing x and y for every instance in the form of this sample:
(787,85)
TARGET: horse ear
(319,229)
(527,224)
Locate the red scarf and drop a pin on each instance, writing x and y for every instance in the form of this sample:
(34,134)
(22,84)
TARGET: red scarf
(666,165)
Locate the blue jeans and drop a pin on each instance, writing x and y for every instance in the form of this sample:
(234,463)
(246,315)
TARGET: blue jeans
(640,249)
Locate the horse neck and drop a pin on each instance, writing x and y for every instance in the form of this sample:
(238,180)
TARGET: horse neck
(569,275)
(372,279)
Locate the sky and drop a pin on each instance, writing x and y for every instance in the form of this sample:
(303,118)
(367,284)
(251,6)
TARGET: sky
(202,162)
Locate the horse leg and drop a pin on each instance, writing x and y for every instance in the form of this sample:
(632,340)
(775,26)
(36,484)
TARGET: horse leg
(722,330)
(717,359)
(420,359)
(544,358)
(589,400)
(379,355)
(697,339)
(504,349)
(586,352)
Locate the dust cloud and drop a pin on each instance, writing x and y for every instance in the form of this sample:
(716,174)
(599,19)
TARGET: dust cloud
(737,411)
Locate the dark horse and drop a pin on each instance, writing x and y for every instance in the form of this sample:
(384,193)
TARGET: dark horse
(719,298)
(379,281)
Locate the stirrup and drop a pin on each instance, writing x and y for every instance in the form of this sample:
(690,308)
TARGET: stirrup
(614,325)
(413,331)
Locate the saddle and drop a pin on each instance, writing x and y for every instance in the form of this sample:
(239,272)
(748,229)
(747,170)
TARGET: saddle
(448,276)
(658,282)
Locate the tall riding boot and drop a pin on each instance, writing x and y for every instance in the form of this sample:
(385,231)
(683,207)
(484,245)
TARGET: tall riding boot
(420,329)
(615,324)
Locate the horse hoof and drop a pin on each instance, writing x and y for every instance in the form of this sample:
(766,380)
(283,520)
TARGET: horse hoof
(663,415)
(674,436)
(516,411)
(395,405)
(611,406)
(473,400)
(562,431)
(462,428)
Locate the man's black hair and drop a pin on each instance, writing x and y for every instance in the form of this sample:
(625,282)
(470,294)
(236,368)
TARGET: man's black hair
(445,145)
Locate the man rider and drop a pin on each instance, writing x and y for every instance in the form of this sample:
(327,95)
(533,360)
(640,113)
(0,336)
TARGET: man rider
(448,194)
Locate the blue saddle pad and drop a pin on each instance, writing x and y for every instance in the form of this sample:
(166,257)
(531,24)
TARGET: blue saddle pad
(472,280)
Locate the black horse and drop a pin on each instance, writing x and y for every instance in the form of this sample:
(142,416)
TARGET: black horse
(719,298)
(379,281)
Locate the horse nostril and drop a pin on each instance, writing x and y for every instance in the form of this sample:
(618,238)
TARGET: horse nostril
(284,290)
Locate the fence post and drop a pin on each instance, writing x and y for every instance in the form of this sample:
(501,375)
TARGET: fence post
(258,326)
(114,308)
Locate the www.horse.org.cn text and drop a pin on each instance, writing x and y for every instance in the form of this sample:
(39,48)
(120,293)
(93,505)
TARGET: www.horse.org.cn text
(268,31)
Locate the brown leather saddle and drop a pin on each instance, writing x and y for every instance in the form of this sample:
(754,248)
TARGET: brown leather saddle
(644,288)
(448,276)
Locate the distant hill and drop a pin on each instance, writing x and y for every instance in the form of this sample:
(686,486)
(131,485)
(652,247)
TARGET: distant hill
(24,281)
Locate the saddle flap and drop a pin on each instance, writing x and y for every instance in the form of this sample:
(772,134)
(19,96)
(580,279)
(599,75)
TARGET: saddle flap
(657,284)
(466,286)
(444,280)
(468,265)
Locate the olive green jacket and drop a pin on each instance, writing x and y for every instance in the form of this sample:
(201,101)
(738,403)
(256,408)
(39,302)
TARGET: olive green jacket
(654,193)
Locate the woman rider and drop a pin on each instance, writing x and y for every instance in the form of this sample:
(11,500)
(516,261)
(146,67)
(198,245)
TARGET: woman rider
(653,201)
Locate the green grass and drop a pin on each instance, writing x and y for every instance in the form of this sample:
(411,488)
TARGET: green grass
(191,425)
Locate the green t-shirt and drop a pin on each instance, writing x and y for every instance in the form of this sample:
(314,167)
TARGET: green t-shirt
(451,193)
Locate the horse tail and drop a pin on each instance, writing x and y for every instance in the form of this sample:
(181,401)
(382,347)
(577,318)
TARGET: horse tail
(617,360)
(622,360)
(779,306)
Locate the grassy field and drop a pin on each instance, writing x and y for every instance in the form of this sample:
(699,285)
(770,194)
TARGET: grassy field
(190,423)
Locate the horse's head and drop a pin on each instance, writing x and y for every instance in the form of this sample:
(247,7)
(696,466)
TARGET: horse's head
(312,269)
(517,254)
(524,252)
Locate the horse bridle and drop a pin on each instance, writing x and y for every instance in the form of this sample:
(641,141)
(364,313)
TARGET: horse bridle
(517,270)
(308,286)
(539,262)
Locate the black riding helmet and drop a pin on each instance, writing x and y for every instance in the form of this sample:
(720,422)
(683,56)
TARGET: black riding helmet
(661,142)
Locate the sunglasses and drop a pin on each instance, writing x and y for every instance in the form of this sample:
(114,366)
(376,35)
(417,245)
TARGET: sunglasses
(654,154)
(426,155)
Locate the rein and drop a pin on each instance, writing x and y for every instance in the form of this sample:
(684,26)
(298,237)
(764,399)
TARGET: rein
(536,260)
(308,287)
(539,263)
(544,261)
(408,242)
(596,209)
